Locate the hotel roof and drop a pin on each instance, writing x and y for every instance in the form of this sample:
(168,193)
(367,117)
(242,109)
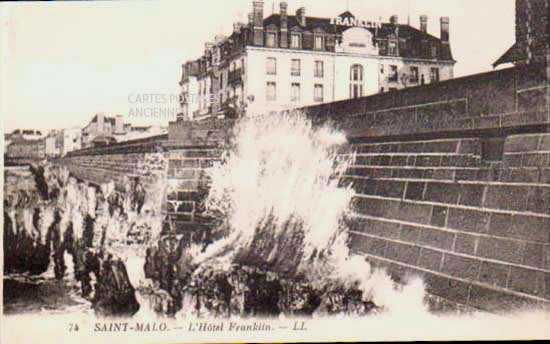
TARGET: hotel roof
(385,31)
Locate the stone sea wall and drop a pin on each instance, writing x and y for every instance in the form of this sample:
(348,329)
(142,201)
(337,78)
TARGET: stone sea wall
(478,232)
(452,182)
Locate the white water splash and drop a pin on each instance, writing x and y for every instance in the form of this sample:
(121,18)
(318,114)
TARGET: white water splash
(277,190)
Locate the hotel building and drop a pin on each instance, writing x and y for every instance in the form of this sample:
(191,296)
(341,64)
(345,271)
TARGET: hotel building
(287,61)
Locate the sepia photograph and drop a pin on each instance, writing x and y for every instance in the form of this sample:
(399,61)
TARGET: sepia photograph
(275,171)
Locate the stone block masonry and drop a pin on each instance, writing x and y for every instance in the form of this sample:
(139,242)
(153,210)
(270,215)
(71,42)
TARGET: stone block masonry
(186,190)
(144,158)
(173,165)
(452,183)
(475,237)
(191,149)
(149,167)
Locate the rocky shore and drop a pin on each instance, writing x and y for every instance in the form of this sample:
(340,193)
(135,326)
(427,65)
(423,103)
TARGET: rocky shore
(55,214)
(103,230)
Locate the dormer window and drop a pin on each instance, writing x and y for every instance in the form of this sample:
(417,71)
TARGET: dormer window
(271,39)
(434,52)
(296,41)
(392,48)
(319,43)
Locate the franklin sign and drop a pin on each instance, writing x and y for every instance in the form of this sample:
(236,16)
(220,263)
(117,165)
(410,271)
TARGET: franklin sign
(352,22)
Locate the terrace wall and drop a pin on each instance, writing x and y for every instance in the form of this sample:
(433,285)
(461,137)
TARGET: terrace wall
(452,182)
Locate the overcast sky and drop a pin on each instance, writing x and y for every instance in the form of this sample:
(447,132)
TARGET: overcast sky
(65,61)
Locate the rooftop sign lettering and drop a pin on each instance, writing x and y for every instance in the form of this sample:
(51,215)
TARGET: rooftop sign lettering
(352,22)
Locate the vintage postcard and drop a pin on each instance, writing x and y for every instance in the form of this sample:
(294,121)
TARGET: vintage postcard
(275,171)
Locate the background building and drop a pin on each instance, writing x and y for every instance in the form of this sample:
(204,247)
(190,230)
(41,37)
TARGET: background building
(102,126)
(51,146)
(69,140)
(27,134)
(21,149)
(103,130)
(286,61)
(141,132)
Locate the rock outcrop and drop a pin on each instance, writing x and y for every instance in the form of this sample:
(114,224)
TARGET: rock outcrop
(95,225)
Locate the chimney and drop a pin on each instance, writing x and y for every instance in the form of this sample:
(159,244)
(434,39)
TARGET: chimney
(394,20)
(445,29)
(284,24)
(424,23)
(119,125)
(218,39)
(251,19)
(258,19)
(301,16)
(237,27)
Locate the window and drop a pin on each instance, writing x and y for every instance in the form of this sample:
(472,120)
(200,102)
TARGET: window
(434,75)
(271,39)
(221,80)
(356,90)
(356,73)
(271,91)
(319,43)
(414,75)
(242,66)
(392,48)
(271,66)
(356,81)
(381,69)
(381,89)
(434,52)
(319,69)
(295,41)
(393,73)
(318,93)
(295,69)
(383,44)
(392,89)
(295,95)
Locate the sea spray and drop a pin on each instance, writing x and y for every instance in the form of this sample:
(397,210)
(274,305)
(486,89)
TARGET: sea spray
(282,209)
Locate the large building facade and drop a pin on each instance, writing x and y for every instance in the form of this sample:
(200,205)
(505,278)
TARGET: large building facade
(287,61)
